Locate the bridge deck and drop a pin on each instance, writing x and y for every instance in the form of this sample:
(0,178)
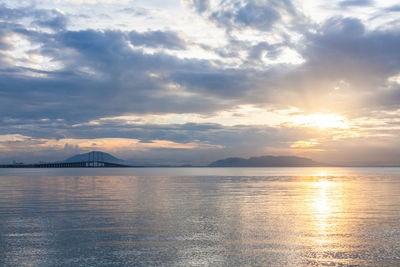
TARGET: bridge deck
(83,164)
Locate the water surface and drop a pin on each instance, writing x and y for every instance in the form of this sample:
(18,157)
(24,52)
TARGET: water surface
(200,217)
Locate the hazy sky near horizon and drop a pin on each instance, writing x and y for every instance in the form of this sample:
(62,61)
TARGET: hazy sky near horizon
(193,81)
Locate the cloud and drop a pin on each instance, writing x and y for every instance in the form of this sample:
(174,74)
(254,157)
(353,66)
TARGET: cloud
(51,19)
(260,15)
(103,76)
(8,14)
(152,139)
(342,52)
(200,5)
(46,18)
(100,75)
(395,8)
(57,82)
(224,84)
(166,39)
(350,3)
(94,2)
(136,11)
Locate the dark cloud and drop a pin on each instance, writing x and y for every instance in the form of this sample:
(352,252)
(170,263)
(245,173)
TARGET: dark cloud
(166,39)
(350,3)
(256,51)
(395,8)
(100,75)
(46,18)
(231,84)
(12,14)
(260,15)
(51,19)
(4,45)
(200,5)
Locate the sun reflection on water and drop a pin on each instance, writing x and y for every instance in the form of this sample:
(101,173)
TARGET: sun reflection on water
(324,204)
(322,210)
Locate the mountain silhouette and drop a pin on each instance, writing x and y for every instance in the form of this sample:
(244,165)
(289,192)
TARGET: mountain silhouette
(100,155)
(266,161)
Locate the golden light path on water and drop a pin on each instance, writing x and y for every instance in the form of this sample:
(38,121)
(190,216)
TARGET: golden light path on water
(325,203)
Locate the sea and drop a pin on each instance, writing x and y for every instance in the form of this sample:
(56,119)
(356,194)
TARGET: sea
(200,217)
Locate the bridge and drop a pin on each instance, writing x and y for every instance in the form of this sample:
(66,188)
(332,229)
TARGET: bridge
(94,160)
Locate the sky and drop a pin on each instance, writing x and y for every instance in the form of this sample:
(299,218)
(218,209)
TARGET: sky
(193,81)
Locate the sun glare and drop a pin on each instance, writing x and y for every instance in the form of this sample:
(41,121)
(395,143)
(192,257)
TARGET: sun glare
(322,120)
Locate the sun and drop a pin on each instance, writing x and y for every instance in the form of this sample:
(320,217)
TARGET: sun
(322,120)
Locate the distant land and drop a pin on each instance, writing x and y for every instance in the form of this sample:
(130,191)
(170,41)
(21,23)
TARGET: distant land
(103,159)
(112,159)
(103,155)
(267,161)
(263,161)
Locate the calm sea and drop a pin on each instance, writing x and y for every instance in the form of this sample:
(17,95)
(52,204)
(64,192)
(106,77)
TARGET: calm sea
(200,217)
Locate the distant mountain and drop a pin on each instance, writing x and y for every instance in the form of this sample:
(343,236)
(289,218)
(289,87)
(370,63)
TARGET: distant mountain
(100,155)
(266,161)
